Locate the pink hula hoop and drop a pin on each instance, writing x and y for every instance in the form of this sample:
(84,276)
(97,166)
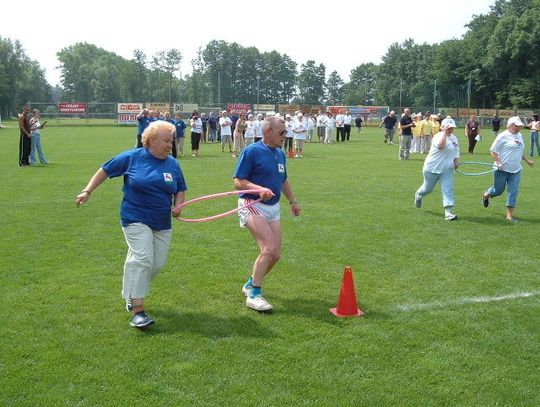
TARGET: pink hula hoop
(220,195)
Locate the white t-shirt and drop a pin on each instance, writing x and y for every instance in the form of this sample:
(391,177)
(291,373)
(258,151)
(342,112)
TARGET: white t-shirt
(509,147)
(299,129)
(196,125)
(225,130)
(340,120)
(347,119)
(288,126)
(258,128)
(321,119)
(250,129)
(329,122)
(440,160)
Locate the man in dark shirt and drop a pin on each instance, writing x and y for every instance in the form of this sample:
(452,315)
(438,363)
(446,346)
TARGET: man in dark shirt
(496,125)
(389,122)
(405,139)
(25,140)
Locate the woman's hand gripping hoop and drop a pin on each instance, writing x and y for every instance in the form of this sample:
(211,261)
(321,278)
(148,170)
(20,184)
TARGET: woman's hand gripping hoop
(474,174)
(221,195)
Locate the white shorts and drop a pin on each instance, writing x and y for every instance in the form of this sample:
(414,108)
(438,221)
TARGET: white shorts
(270,213)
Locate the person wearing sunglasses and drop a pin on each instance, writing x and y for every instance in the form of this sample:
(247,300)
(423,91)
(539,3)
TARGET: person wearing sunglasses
(262,165)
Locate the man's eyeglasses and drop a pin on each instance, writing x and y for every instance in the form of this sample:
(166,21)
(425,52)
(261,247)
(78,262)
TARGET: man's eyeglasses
(282,133)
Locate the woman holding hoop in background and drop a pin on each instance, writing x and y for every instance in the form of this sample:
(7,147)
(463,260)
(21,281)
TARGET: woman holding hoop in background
(196,132)
(442,159)
(507,150)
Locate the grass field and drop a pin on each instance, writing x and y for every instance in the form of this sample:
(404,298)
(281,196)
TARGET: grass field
(452,308)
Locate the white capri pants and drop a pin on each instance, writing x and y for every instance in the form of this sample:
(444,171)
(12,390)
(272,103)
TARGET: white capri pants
(146,256)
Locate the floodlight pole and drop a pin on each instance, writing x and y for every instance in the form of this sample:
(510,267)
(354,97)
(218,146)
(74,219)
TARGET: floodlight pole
(435,97)
(258,89)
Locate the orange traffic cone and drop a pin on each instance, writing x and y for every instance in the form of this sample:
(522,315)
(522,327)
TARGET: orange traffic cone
(291,153)
(347,306)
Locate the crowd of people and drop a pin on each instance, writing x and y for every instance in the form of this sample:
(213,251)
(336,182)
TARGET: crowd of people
(154,185)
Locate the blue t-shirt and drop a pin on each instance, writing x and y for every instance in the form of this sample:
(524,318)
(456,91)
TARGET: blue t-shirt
(213,122)
(264,166)
(180,127)
(149,185)
(143,124)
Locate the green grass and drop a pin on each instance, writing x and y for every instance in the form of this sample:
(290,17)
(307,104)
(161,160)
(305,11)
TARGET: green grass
(65,334)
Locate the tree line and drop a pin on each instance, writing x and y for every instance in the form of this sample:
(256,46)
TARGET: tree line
(494,65)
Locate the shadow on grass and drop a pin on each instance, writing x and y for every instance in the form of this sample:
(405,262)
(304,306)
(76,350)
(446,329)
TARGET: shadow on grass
(208,325)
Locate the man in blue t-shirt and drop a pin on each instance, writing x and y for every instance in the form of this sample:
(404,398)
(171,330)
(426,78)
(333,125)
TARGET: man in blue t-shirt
(262,166)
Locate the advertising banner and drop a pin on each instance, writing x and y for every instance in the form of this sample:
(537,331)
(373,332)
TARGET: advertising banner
(505,114)
(238,107)
(185,107)
(72,107)
(487,112)
(127,112)
(158,106)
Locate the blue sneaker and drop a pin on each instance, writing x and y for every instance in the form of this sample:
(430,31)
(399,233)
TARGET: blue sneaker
(141,320)
(246,289)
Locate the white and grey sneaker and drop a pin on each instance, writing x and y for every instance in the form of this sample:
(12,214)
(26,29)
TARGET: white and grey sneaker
(451,216)
(417,201)
(258,303)
(141,320)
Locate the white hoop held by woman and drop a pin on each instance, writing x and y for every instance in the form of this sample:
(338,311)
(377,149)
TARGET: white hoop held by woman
(220,195)
(474,174)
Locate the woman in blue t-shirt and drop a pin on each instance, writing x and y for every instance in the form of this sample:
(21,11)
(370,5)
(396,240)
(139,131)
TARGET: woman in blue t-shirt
(152,179)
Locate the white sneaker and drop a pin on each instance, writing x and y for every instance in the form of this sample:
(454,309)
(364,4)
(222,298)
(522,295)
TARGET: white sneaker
(258,303)
(246,290)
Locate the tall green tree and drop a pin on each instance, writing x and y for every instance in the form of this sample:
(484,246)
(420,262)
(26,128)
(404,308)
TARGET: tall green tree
(335,88)
(21,79)
(311,82)
(362,87)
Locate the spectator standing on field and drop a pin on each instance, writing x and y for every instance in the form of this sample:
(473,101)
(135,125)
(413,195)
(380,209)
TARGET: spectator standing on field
(330,125)
(180,127)
(196,130)
(299,129)
(25,139)
(416,139)
(358,123)
(534,125)
(495,125)
(35,128)
(213,123)
(321,128)
(143,120)
(225,124)
(204,121)
(426,133)
(389,123)
(405,139)
(472,130)
(347,123)
(238,136)
(340,123)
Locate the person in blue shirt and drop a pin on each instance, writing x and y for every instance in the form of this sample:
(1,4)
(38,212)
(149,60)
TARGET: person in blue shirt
(143,121)
(180,130)
(262,165)
(154,187)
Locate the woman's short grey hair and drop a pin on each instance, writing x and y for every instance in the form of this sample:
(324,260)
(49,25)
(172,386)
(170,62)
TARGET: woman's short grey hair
(154,129)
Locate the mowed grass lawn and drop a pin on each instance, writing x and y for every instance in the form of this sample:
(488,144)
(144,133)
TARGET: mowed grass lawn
(452,308)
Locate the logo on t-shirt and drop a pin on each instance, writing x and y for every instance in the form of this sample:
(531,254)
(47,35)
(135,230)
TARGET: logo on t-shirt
(519,144)
(281,168)
(168,178)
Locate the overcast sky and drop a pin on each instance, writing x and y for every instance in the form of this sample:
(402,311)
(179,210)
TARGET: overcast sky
(341,35)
